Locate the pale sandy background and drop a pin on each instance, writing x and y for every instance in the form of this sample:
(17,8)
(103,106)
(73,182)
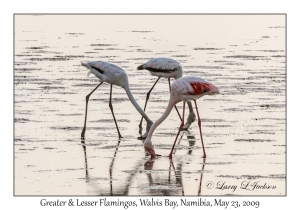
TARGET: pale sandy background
(243,128)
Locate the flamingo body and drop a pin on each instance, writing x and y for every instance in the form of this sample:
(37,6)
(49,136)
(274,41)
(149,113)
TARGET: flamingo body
(107,72)
(191,88)
(163,67)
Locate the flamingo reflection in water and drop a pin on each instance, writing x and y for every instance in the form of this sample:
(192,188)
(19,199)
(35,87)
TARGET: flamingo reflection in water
(118,190)
(161,185)
(192,142)
(157,185)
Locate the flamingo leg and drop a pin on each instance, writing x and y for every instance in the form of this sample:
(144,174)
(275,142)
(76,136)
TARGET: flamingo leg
(112,111)
(147,98)
(86,107)
(180,127)
(175,105)
(180,138)
(199,124)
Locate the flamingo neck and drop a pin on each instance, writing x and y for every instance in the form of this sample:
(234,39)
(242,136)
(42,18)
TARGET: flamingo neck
(190,106)
(179,73)
(136,105)
(172,102)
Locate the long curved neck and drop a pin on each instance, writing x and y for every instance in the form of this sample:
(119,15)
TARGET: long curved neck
(161,119)
(189,103)
(136,105)
(179,73)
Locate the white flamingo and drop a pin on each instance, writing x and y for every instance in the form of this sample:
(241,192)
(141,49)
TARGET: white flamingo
(183,89)
(114,75)
(167,68)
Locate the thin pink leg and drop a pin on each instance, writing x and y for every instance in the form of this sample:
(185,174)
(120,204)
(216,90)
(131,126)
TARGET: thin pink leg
(180,127)
(199,124)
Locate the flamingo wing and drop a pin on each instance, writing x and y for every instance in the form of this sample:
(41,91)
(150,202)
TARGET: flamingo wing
(191,85)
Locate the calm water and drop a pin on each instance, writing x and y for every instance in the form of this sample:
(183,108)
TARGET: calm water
(243,127)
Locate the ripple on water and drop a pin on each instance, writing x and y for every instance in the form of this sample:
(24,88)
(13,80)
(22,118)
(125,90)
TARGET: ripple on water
(271,176)
(253,140)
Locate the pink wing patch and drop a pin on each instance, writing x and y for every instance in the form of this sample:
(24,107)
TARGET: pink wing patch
(200,88)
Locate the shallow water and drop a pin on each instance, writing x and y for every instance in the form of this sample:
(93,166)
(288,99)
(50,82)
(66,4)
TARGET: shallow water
(243,127)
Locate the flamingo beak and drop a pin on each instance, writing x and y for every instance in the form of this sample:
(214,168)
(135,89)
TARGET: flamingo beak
(151,152)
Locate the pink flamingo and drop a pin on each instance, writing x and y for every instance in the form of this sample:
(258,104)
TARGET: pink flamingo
(183,89)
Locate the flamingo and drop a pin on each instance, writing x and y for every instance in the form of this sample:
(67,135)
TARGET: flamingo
(167,68)
(114,75)
(183,89)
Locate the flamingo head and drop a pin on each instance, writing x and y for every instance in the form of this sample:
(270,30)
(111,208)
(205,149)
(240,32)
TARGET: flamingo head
(149,148)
